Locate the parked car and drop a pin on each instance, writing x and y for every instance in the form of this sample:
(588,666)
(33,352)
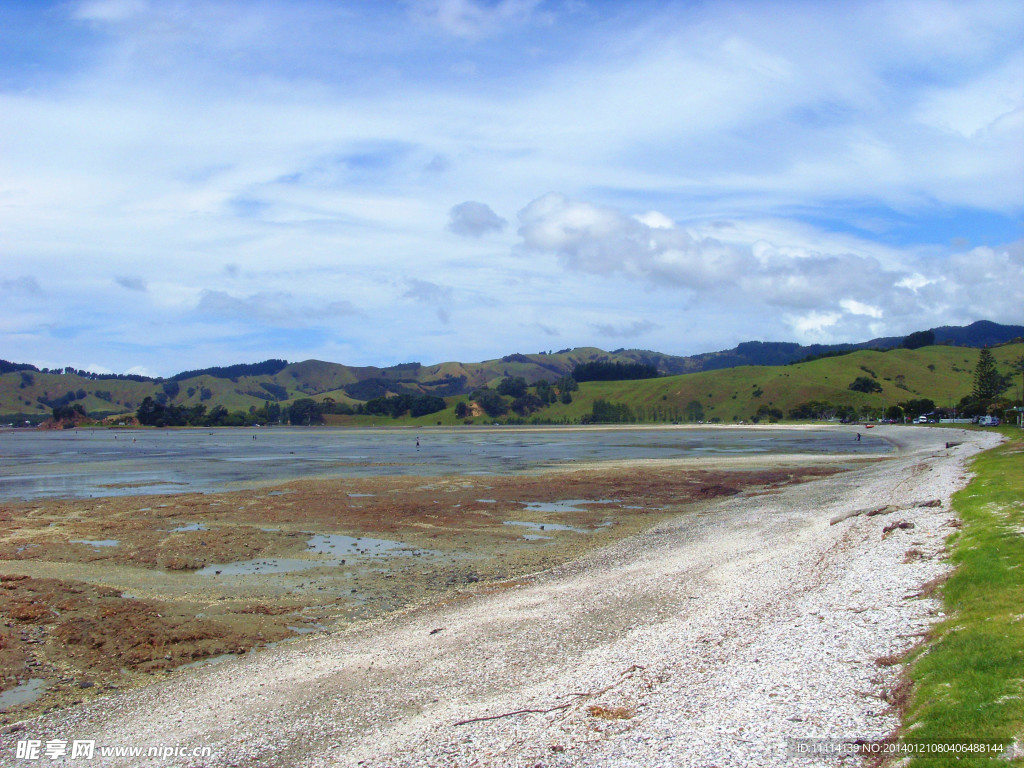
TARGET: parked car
(988,421)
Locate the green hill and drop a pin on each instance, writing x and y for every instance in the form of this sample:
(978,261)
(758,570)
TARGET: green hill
(938,373)
(943,374)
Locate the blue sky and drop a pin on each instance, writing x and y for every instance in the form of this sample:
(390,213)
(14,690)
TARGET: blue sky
(185,184)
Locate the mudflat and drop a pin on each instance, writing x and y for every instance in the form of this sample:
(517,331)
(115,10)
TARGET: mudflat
(110,593)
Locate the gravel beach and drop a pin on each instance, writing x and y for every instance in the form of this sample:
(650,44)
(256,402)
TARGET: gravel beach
(708,641)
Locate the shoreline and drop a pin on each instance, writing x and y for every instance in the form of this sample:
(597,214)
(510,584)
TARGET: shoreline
(747,583)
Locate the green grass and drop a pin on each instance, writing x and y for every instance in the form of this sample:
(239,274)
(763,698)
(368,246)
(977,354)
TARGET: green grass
(968,680)
(943,374)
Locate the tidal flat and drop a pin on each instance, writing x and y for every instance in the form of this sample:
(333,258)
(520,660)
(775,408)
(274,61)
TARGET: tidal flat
(115,591)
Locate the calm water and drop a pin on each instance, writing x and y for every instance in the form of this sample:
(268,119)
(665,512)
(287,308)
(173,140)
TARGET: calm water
(35,464)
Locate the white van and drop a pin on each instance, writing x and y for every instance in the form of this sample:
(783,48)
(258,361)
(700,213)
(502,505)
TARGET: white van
(922,419)
(988,421)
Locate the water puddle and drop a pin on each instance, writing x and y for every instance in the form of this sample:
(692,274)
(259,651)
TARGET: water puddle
(307,630)
(566,505)
(24,693)
(189,527)
(209,660)
(343,549)
(545,526)
(97,542)
(263,566)
(339,544)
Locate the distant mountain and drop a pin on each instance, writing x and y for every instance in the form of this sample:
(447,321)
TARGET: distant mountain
(982,333)
(26,391)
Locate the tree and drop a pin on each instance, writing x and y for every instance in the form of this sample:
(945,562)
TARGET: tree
(767,412)
(917,407)
(865,384)
(545,392)
(492,403)
(988,382)
(304,411)
(567,384)
(605,371)
(694,411)
(513,387)
(605,412)
(423,405)
(919,339)
(527,404)
(217,417)
(461,409)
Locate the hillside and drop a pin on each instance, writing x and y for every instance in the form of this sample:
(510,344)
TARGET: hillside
(724,383)
(938,373)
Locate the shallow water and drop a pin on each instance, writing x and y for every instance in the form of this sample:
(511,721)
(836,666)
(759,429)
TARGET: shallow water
(545,526)
(24,693)
(341,550)
(97,542)
(69,464)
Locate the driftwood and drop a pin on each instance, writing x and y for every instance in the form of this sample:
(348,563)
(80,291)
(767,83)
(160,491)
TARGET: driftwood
(585,695)
(888,509)
(517,712)
(869,511)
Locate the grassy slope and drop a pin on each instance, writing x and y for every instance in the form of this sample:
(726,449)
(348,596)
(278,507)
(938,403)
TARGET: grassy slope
(969,680)
(731,393)
(726,394)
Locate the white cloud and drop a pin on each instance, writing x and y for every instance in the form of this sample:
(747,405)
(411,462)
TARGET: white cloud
(824,294)
(855,307)
(655,220)
(813,325)
(743,163)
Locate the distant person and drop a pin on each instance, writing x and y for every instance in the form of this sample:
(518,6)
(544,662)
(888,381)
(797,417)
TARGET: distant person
(417,443)
(858,437)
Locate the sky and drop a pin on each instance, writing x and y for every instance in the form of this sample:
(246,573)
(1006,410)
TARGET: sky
(186,184)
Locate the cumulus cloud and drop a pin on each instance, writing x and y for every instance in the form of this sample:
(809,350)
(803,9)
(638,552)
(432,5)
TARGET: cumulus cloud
(473,219)
(683,129)
(280,307)
(819,293)
(131,283)
(602,240)
(855,307)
